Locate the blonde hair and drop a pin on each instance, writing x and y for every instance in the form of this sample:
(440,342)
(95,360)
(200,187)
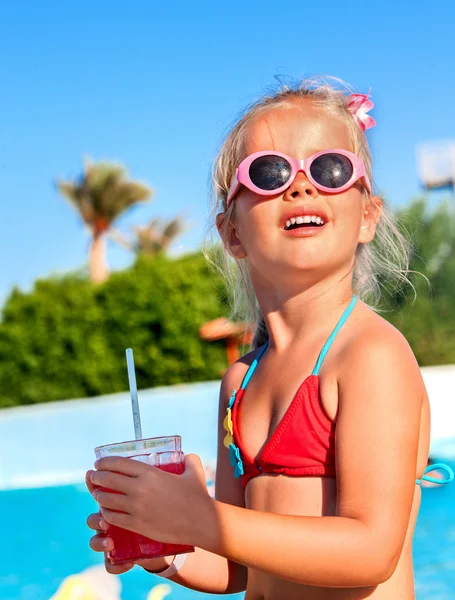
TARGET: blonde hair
(384,260)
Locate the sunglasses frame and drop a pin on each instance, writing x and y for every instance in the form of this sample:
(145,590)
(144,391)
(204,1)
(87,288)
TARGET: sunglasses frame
(242,174)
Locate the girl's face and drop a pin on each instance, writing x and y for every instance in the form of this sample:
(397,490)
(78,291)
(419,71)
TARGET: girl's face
(260,235)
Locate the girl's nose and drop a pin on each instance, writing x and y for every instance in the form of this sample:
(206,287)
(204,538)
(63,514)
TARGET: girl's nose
(301,187)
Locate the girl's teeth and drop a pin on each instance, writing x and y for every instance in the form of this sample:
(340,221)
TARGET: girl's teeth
(304,220)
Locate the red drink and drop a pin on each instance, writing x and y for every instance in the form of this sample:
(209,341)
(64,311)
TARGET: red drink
(130,546)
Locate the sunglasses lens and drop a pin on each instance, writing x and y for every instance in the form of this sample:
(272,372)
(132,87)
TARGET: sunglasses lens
(331,170)
(269,172)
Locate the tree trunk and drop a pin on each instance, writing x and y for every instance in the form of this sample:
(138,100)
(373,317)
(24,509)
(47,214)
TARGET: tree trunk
(97,266)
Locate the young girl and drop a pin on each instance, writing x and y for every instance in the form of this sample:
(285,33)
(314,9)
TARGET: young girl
(324,426)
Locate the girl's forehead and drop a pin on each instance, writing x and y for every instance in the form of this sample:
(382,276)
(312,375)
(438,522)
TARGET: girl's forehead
(298,131)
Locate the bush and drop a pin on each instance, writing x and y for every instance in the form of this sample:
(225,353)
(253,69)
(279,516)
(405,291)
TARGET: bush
(67,338)
(428,321)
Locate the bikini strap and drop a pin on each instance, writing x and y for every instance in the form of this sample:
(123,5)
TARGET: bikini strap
(253,366)
(329,342)
(322,355)
(437,467)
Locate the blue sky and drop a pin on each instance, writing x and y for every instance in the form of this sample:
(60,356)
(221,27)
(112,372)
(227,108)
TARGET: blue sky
(155,84)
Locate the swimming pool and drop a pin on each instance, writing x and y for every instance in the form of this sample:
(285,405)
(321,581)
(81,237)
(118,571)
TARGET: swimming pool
(46,540)
(44,508)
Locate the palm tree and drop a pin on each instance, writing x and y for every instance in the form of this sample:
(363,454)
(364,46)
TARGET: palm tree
(151,239)
(101,194)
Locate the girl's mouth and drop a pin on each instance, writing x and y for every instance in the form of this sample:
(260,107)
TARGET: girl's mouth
(308,221)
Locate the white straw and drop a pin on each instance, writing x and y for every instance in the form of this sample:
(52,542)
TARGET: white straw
(133,392)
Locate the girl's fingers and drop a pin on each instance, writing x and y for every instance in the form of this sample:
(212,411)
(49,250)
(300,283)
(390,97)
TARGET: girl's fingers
(119,519)
(111,500)
(88,481)
(100,543)
(96,522)
(112,481)
(117,569)
(127,466)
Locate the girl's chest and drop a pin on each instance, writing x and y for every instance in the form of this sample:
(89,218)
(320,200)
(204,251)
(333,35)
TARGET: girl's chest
(271,397)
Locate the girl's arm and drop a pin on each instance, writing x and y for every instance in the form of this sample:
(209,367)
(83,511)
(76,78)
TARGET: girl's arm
(380,398)
(204,571)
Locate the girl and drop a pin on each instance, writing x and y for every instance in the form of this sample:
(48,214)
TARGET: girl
(320,451)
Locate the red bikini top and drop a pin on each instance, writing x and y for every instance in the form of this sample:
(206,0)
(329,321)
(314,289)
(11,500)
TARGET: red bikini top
(303,443)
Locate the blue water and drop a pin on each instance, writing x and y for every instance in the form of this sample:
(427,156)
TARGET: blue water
(45,539)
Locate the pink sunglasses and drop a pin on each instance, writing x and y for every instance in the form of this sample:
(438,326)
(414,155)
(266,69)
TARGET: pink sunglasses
(270,173)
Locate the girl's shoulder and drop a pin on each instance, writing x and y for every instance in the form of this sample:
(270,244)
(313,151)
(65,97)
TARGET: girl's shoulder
(374,344)
(372,328)
(233,377)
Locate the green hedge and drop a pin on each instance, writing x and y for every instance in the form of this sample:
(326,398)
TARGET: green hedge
(428,320)
(67,338)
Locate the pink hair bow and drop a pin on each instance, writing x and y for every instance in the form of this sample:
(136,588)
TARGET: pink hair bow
(358,105)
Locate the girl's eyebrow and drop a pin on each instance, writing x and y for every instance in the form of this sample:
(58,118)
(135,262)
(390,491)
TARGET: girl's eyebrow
(312,151)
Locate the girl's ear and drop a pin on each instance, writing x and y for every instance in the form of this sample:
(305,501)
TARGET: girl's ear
(228,234)
(371,215)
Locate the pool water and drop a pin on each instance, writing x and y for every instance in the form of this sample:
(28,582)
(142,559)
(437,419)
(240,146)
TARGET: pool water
(45,539)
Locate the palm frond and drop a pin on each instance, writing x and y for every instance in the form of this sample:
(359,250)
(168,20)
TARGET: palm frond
(173,229)
(155,237)
(102,193)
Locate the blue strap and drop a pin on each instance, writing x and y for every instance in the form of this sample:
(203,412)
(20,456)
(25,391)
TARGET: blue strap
(437,467)
(253,366)
(322,355)
(329,342)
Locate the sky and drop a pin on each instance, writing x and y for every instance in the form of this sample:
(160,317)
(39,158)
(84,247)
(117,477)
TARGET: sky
(155,85)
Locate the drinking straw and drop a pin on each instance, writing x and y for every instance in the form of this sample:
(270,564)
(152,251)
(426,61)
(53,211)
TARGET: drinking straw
(133,392)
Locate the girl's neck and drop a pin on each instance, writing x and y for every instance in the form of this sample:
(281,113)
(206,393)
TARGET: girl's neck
(305,315)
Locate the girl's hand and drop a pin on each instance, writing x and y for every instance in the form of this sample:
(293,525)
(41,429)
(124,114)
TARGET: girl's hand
(162,506)
(102,543)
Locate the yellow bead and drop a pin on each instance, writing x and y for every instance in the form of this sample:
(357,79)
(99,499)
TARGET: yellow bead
(227,423)
(228,440)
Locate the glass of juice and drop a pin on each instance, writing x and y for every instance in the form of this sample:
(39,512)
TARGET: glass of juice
(161,452)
